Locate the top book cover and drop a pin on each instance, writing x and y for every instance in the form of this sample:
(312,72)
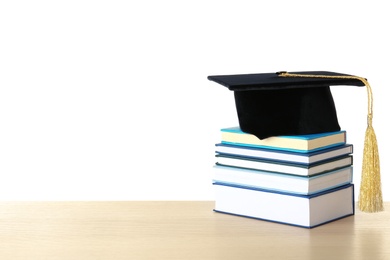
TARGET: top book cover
(296,143)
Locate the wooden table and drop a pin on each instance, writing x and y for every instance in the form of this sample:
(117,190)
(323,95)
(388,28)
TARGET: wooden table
(178,230)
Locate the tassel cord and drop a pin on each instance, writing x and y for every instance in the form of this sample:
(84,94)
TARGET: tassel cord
(370,198)
(365,82)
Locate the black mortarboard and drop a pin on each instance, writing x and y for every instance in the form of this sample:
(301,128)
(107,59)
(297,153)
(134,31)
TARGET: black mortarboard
(284,103)
(269,105)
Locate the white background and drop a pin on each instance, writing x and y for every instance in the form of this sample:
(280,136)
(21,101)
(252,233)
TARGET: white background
(109,100)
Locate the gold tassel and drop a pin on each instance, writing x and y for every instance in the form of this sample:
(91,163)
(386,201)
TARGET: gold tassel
(370,196)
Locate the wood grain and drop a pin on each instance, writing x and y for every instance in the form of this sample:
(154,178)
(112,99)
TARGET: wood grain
(178,230)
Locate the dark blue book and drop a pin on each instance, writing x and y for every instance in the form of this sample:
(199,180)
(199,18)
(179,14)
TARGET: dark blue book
(284,167)
(282,155)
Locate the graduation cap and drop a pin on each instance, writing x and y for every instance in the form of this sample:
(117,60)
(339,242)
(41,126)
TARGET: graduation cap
(298,103)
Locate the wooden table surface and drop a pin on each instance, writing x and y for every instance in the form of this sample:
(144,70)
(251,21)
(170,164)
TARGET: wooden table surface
(178,230)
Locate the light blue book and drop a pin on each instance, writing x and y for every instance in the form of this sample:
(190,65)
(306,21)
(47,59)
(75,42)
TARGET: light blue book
(281,182)
(296,143)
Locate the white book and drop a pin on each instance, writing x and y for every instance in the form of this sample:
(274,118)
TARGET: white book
(304,211)
(303,185)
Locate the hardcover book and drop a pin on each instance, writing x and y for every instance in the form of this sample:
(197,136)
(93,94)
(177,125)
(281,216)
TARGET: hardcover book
(280,182)
(284,167)
(297,143)
(304,211)
(284,156)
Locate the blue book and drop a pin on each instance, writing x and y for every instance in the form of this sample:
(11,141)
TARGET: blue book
(283,155)
(307,211)
(280,182)
(296,143)
(284,167)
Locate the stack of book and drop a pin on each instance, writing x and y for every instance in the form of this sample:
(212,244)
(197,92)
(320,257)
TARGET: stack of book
(303,180)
